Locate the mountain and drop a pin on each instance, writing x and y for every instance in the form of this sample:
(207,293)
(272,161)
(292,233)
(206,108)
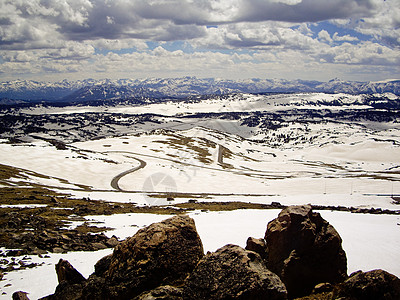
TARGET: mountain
(93,90)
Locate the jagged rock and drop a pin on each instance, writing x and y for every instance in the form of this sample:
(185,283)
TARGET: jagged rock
(71,282)
(372,285)
(233,273)
(67,273)
(101,267)
(166,292)
(257,245)
(160,254)
(20,296)
(304,250)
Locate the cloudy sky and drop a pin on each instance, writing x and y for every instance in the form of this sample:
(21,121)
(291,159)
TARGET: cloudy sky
(233,39)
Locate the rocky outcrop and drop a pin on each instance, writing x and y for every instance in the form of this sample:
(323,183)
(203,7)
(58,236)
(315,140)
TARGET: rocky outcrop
(56,241)
(233,273)
(304,250)
(301,255)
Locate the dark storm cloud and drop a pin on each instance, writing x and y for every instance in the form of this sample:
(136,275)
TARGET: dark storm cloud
(178,12)
(303,11)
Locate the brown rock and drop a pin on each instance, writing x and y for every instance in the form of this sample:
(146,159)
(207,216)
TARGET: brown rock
(101,267)
(372,285)
(304,250)
(97,288)
(58,250)
(233,273)
(160,254)
(258,246)
(166,292)
(20,296)
(98,246)
(66,272)
(112,242)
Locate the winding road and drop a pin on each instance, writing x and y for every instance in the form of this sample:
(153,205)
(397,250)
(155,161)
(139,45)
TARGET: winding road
(115,180)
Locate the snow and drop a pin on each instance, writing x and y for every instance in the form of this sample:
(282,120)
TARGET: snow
(42,281)
(22,205)
(347,163)
(370,242)
(65,167)
(231,103)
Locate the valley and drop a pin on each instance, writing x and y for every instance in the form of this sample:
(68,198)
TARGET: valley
(229,161)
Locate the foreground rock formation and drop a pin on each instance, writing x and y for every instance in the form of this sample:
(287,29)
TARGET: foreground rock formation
(301,256)
(233,273)
(301,244)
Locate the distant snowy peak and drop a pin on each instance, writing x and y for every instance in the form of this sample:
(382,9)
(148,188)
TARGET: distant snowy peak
(90,89)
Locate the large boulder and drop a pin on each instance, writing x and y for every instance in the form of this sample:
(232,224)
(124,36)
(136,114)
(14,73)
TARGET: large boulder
(372,285)
(161,254)
(233,273)
(304,250)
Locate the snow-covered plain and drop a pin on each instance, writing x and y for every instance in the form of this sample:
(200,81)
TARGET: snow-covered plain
(370,242)
(323,161)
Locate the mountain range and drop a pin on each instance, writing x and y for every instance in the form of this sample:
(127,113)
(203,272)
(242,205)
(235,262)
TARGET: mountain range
(93,90)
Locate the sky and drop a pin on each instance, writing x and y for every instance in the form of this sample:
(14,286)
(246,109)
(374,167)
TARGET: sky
(51,40)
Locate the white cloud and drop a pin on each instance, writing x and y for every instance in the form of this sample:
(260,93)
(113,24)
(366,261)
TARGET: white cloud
(324,35)
(344,38)
(383,24)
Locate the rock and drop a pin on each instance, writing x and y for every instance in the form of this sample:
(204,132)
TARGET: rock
(166,292)
(372,285)
(161,254)
(66,291)
(96,287)
(101,267)
(112,242)
(66,272)
(20,296)
(70,282)
(233,273)
(322,288)
(258,246)
(301,244)
(98,246)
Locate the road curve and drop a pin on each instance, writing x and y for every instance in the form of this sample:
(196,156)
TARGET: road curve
(115,180)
